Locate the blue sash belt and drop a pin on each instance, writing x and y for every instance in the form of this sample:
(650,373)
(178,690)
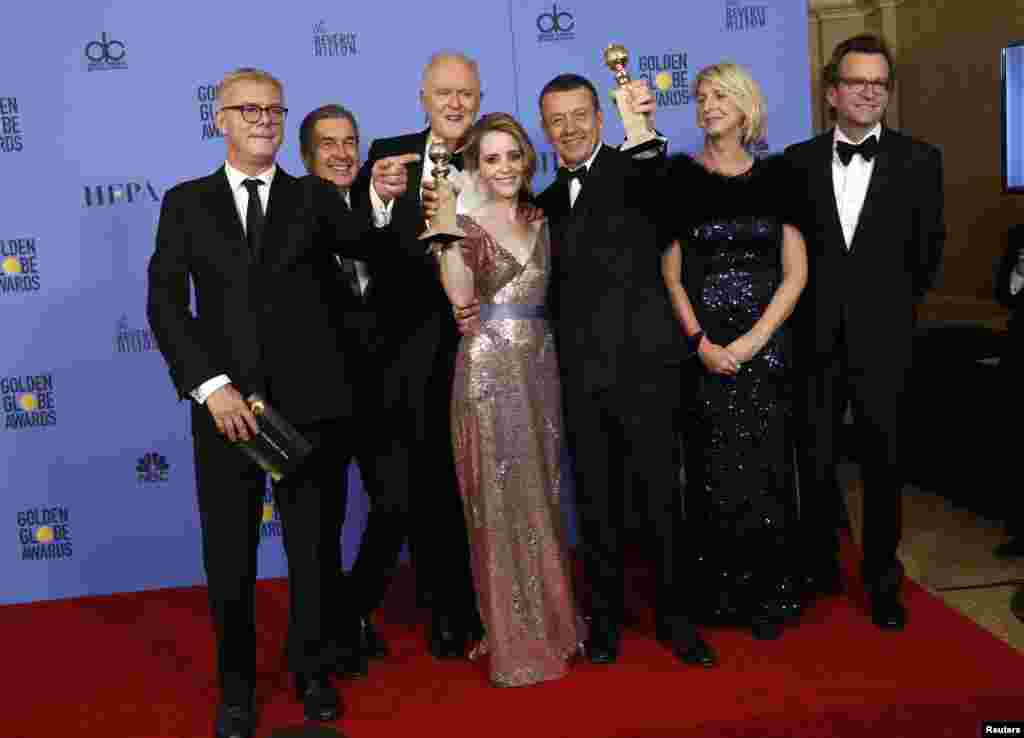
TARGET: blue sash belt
(512,311)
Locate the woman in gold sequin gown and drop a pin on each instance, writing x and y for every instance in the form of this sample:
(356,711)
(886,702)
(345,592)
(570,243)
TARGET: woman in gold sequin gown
(506,418)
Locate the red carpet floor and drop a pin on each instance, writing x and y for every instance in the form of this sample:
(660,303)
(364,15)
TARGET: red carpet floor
(140,665)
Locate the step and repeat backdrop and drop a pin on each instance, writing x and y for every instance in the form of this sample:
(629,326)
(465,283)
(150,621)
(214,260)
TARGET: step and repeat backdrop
(106,104)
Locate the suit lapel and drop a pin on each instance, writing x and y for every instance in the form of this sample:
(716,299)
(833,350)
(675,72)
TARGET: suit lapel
(880,176)
(826,185)
(409,206)
(219,201)
(276,245)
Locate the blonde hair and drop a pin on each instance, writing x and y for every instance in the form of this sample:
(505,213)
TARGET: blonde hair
(501,123)
(246,74)
(736,82)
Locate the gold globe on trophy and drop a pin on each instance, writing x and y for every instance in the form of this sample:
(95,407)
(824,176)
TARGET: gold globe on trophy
(442,230)
(616,57)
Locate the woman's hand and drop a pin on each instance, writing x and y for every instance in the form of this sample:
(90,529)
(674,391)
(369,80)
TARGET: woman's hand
(717,360)
(744,348)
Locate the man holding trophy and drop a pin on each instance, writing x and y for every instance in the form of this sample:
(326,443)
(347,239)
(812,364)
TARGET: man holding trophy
(619,348)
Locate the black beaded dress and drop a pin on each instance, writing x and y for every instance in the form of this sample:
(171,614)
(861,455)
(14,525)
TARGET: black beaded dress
(741,495)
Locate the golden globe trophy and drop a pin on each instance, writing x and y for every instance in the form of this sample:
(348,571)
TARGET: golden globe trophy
(637,128)
(442,230)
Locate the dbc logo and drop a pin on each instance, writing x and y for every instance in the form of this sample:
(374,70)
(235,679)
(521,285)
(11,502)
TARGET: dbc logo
(558,25)
(106,53)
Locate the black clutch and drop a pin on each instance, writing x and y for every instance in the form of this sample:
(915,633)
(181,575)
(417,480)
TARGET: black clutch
(279,449)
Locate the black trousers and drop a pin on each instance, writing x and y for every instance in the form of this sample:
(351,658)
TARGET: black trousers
(230,490)
(632,425)
(424,508)
(876,396)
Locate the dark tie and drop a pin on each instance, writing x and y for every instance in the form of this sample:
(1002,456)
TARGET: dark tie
(567,175)
(254,218)
(866,148)
(348,266)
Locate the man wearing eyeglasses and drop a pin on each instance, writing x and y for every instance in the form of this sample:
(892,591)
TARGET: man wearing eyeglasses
(255,244)
(874,229)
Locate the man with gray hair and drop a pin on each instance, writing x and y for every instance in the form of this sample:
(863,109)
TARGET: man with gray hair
(329,144)
(416,323)
(255,244)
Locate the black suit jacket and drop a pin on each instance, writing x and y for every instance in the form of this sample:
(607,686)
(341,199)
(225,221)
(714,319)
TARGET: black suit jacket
(414,316)
(896,251)
(612,314)
(1013,354)
(269,324)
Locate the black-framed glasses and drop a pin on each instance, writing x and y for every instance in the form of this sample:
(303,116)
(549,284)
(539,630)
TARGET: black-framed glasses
(859,84)
(253,113)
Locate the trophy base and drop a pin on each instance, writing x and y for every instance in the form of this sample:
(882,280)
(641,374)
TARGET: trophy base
(441,239)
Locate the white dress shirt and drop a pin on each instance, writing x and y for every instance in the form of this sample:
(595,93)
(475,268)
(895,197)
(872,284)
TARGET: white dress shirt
(382,210)
(241,195)
(850,183)
(574,184)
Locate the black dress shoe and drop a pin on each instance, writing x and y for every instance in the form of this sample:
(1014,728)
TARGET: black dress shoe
(695,653)
(602,647)
(371,642)
(234,721)
(888,613)
(320,700)
(1010,549)
(446,641)
(352,663)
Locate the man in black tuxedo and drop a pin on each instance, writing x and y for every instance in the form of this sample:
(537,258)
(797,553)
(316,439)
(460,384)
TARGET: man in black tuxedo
(875,231)
(255,245)
(620,350)
(417,345)
(329,143)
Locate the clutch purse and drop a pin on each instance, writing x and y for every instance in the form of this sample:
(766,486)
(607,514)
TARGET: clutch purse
(278,448)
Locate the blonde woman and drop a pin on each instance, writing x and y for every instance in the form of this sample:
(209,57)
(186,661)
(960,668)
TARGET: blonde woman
(735,273)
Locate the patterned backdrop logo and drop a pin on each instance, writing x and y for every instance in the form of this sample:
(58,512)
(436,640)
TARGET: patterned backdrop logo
(740,16)
(206,96)
(105,53)
(28,401)
(270,525)
(19,266)
(10,126)
(152,467)
(329,44)
(128,340)
(45,533)
(120,193)
(557,24)
(668,75)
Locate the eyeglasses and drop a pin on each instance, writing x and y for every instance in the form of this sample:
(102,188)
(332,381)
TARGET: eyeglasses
(253,113)
(859,84)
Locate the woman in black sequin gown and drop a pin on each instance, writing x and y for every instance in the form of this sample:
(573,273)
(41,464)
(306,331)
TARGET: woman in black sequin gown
(743,267)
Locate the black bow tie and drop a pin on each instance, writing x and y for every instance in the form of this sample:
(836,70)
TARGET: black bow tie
(866,148)
(566,175)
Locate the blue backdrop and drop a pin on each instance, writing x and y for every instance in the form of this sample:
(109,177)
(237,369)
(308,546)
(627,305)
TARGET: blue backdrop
(105,104)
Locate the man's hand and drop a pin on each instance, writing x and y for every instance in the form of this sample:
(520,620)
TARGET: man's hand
(467,317)
(231,415)
(390,177)
(530,212)
(640,99)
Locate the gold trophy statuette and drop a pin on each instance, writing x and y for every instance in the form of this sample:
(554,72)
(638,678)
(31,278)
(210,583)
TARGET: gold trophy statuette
(442,230)
(616,58)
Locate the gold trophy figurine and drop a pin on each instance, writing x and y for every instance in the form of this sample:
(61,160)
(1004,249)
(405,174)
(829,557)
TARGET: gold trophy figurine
(442,230)
(637,128)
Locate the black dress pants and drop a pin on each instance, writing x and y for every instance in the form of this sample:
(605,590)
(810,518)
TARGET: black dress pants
(632,424)
(230,490)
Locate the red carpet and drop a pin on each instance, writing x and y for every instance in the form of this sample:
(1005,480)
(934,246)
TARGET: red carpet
(140,665)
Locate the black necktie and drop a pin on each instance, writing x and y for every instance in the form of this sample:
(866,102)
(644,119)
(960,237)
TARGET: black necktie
(254,218)
(866,148)
(567,175)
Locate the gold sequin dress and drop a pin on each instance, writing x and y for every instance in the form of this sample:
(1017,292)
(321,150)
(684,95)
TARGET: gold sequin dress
(507,433)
